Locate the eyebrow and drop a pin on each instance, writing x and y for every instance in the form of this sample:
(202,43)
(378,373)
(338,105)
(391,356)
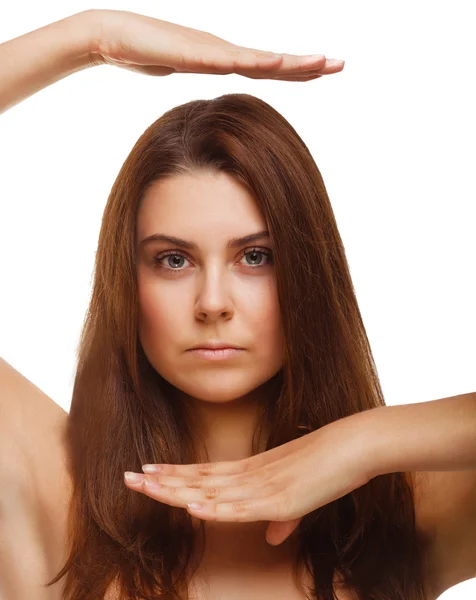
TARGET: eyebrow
(232,242)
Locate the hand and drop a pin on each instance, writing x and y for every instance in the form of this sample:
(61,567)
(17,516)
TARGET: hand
(280,485)
(155,47)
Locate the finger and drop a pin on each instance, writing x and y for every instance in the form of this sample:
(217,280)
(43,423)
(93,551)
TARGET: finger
(275,75)
(244,61)
(290,62)
(181,496)
(163,71)
(295,66)
(307,78)
(229,467)
(210,59)
(262,72)
(244,511)
(202,482)
(278,531)
(221,488)
(327,70)
(290,65)
(332,66)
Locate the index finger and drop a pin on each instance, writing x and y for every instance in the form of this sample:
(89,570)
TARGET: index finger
(253,63)
(285,64)
(229,467)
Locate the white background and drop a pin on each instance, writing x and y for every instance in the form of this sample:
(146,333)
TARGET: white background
(393,136)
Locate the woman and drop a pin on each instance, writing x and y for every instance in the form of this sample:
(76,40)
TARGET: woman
(284,418)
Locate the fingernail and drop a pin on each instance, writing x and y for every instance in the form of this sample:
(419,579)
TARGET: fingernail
(151,468)
(195,506)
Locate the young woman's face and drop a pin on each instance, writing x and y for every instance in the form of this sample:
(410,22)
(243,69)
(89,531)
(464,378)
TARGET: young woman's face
(208,291)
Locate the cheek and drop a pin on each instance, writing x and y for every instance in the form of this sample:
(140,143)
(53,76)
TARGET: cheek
(158,316)
(266,325)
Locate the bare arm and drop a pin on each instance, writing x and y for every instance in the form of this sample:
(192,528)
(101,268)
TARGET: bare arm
(139,43)
(41,57)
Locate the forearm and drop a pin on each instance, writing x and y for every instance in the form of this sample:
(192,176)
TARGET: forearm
(439,435)
(41,57)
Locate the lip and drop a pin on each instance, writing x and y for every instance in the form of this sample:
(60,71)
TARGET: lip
(217,354)
(215,345)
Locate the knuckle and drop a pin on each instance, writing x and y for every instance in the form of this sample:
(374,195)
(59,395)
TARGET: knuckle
(239,508)
(205,469)
(211,493)
(194,482)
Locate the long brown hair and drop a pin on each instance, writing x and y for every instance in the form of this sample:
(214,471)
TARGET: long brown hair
(122,413)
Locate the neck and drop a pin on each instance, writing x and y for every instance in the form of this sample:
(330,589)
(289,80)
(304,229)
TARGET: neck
(225,425)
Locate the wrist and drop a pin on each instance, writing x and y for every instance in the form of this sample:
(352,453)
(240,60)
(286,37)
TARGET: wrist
(436,435)
(85,29)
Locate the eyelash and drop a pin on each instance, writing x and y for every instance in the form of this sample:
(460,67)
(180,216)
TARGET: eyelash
(161,256)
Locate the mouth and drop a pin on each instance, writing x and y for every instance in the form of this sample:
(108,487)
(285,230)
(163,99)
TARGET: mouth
(216,348)
(216,345)
(217,353)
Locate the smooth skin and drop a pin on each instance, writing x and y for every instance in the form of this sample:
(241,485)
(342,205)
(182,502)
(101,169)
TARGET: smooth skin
(160,48)
(155,47)
(138,43)
(280,485)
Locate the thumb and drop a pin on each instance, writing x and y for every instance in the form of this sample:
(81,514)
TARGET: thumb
(278,531)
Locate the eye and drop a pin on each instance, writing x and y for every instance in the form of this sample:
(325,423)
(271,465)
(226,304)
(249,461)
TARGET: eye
(255,252)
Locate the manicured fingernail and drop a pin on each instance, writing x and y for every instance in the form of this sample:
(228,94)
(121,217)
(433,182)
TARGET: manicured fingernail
(151,468)
(195,506)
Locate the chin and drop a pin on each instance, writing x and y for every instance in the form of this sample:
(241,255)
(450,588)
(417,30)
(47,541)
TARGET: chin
(215,394)
(219,385)
(219,388)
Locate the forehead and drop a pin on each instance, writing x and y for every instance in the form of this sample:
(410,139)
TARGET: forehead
(207,201)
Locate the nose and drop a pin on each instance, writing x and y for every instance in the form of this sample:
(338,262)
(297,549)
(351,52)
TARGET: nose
(214,298)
